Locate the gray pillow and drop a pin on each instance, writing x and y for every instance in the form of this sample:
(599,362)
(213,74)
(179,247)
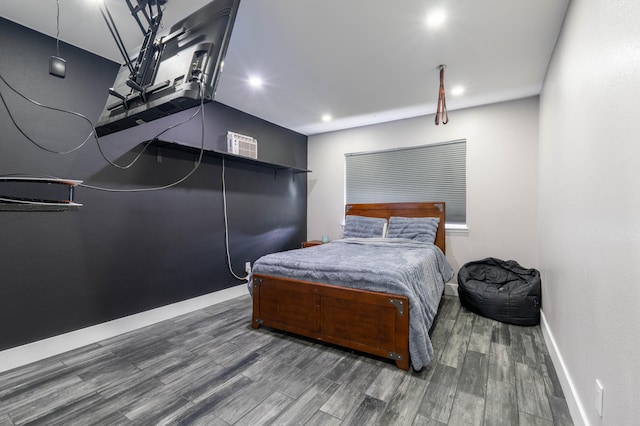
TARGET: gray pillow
(363,227)
(416,228)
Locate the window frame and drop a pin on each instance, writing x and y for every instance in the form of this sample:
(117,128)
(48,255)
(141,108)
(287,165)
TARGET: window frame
(399,166)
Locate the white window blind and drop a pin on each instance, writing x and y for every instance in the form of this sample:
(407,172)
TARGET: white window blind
(435,172)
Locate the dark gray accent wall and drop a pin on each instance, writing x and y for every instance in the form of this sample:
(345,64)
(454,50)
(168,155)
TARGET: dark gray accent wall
(125,253)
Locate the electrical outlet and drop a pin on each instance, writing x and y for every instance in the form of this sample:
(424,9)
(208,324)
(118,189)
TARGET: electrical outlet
(599,397)
(247,267)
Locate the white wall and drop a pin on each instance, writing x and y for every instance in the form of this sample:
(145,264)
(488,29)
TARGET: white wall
(590,205)
(502,149)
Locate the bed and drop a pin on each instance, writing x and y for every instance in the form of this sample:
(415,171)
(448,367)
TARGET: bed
(374,295)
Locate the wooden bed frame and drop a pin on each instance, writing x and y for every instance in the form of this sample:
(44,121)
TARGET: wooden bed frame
(371,322)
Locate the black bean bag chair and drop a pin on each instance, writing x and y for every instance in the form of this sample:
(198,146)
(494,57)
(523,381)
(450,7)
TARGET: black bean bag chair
(501,290)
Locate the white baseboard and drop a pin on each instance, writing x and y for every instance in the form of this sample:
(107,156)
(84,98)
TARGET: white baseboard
(36,351)
(576,408)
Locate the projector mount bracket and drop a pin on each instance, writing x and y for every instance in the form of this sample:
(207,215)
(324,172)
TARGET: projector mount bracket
(145,64)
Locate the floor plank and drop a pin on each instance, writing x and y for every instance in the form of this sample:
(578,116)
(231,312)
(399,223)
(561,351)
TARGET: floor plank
(467,410)
(501,366)
(350,394)
(532,395)
(473,378)
(501,405)
(385,384)
(305,407)
(266,411)
(404,405)
(441,390)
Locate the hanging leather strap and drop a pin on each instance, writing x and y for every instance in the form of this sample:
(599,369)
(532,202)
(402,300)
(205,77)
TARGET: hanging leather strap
(441,112)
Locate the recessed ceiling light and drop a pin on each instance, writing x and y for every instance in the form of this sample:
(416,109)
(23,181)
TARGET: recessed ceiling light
(255,81)
(457,90)
(436,18)
(326,118)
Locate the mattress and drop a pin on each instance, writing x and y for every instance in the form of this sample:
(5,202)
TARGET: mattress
(407,267)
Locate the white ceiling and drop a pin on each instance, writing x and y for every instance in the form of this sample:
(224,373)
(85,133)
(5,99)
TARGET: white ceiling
(361,61)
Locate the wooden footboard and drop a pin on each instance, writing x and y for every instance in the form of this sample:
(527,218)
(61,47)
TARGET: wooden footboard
(370,322)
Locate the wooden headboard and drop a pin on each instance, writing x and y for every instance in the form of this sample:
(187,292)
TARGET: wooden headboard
(386,210)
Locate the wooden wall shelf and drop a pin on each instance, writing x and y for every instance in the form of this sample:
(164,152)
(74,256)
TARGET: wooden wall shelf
(228,156)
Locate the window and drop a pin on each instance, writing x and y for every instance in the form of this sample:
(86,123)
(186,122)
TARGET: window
(435,172)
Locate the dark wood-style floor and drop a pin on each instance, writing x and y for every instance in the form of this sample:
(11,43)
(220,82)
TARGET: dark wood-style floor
(210,368)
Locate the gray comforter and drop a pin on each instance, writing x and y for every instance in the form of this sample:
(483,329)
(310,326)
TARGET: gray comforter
(392,265)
